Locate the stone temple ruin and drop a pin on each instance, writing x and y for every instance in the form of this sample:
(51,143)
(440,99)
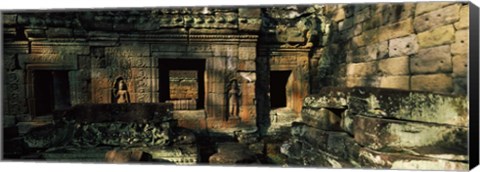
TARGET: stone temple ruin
(338,85)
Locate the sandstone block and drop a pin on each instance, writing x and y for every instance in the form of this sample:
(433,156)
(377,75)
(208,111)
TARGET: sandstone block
(322,118)
(434,82)
(460,86)
(247,53)
(395,82)
(411,106)
(35,34)
(362,15)
(395,30)
(461,42)
(376,159)
(9,19)
(232,153)
(326,99)
(358,41)
(347,23)
(460,65)
(358,29)
(426,7)
(464,18)
(246,65)
(339,144)
(362,69)
(394,66)
(438,36)
(432,60)
(339,14)
(346,122)
(403,46)
(358,55)
(363,81)
(439,17)
(397,135)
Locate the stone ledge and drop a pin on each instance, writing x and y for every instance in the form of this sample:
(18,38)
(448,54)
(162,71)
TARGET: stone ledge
(421,138)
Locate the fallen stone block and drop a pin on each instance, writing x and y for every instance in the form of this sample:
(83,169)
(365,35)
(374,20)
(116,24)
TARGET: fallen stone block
(410,105)
(322,118)
(420,138)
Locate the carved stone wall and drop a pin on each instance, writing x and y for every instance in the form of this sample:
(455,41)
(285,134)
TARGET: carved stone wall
(98,48)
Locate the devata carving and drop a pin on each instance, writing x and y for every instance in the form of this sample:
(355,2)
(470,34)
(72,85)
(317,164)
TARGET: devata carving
(120,92)
(233,99)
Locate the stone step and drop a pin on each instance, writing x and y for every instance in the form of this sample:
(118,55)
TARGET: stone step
(398,135)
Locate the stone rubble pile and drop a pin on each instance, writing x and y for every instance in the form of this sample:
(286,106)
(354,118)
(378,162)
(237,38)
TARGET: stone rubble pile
(380,128)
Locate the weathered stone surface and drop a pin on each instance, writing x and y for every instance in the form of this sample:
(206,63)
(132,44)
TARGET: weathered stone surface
(327,99)
(339,144)
(460,86)
(439,17)
(397,135)
(362,15)
(407,105)
(322,118)
(363,81)
(394,66)
(346,122)
(9,19)
(460,65)
(395,30)
(375,159)
(403,46)
(339,14)
(395,82)
(441,83)
(177,153)
(432,60)
(59,33)
(464,18)
(247,53)
(424,7)
(347,23)
(438,36)
(124,156)
(461,44)
(232,153)
(35,34)
(362,69)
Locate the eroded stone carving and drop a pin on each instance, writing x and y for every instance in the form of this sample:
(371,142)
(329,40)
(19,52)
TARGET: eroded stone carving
(120,92)
(233,99)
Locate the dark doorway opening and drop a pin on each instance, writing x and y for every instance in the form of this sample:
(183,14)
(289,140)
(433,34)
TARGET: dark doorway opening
(51,91)
(189,71)
(278,88)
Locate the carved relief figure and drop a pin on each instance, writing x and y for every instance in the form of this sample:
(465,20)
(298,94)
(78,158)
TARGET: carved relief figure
(233,99)
(120,92)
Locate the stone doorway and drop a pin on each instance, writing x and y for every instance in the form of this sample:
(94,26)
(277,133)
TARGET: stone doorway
(182,82)
(51,91)
(279,88)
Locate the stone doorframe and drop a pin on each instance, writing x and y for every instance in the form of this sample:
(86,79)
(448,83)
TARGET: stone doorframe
(30,68)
